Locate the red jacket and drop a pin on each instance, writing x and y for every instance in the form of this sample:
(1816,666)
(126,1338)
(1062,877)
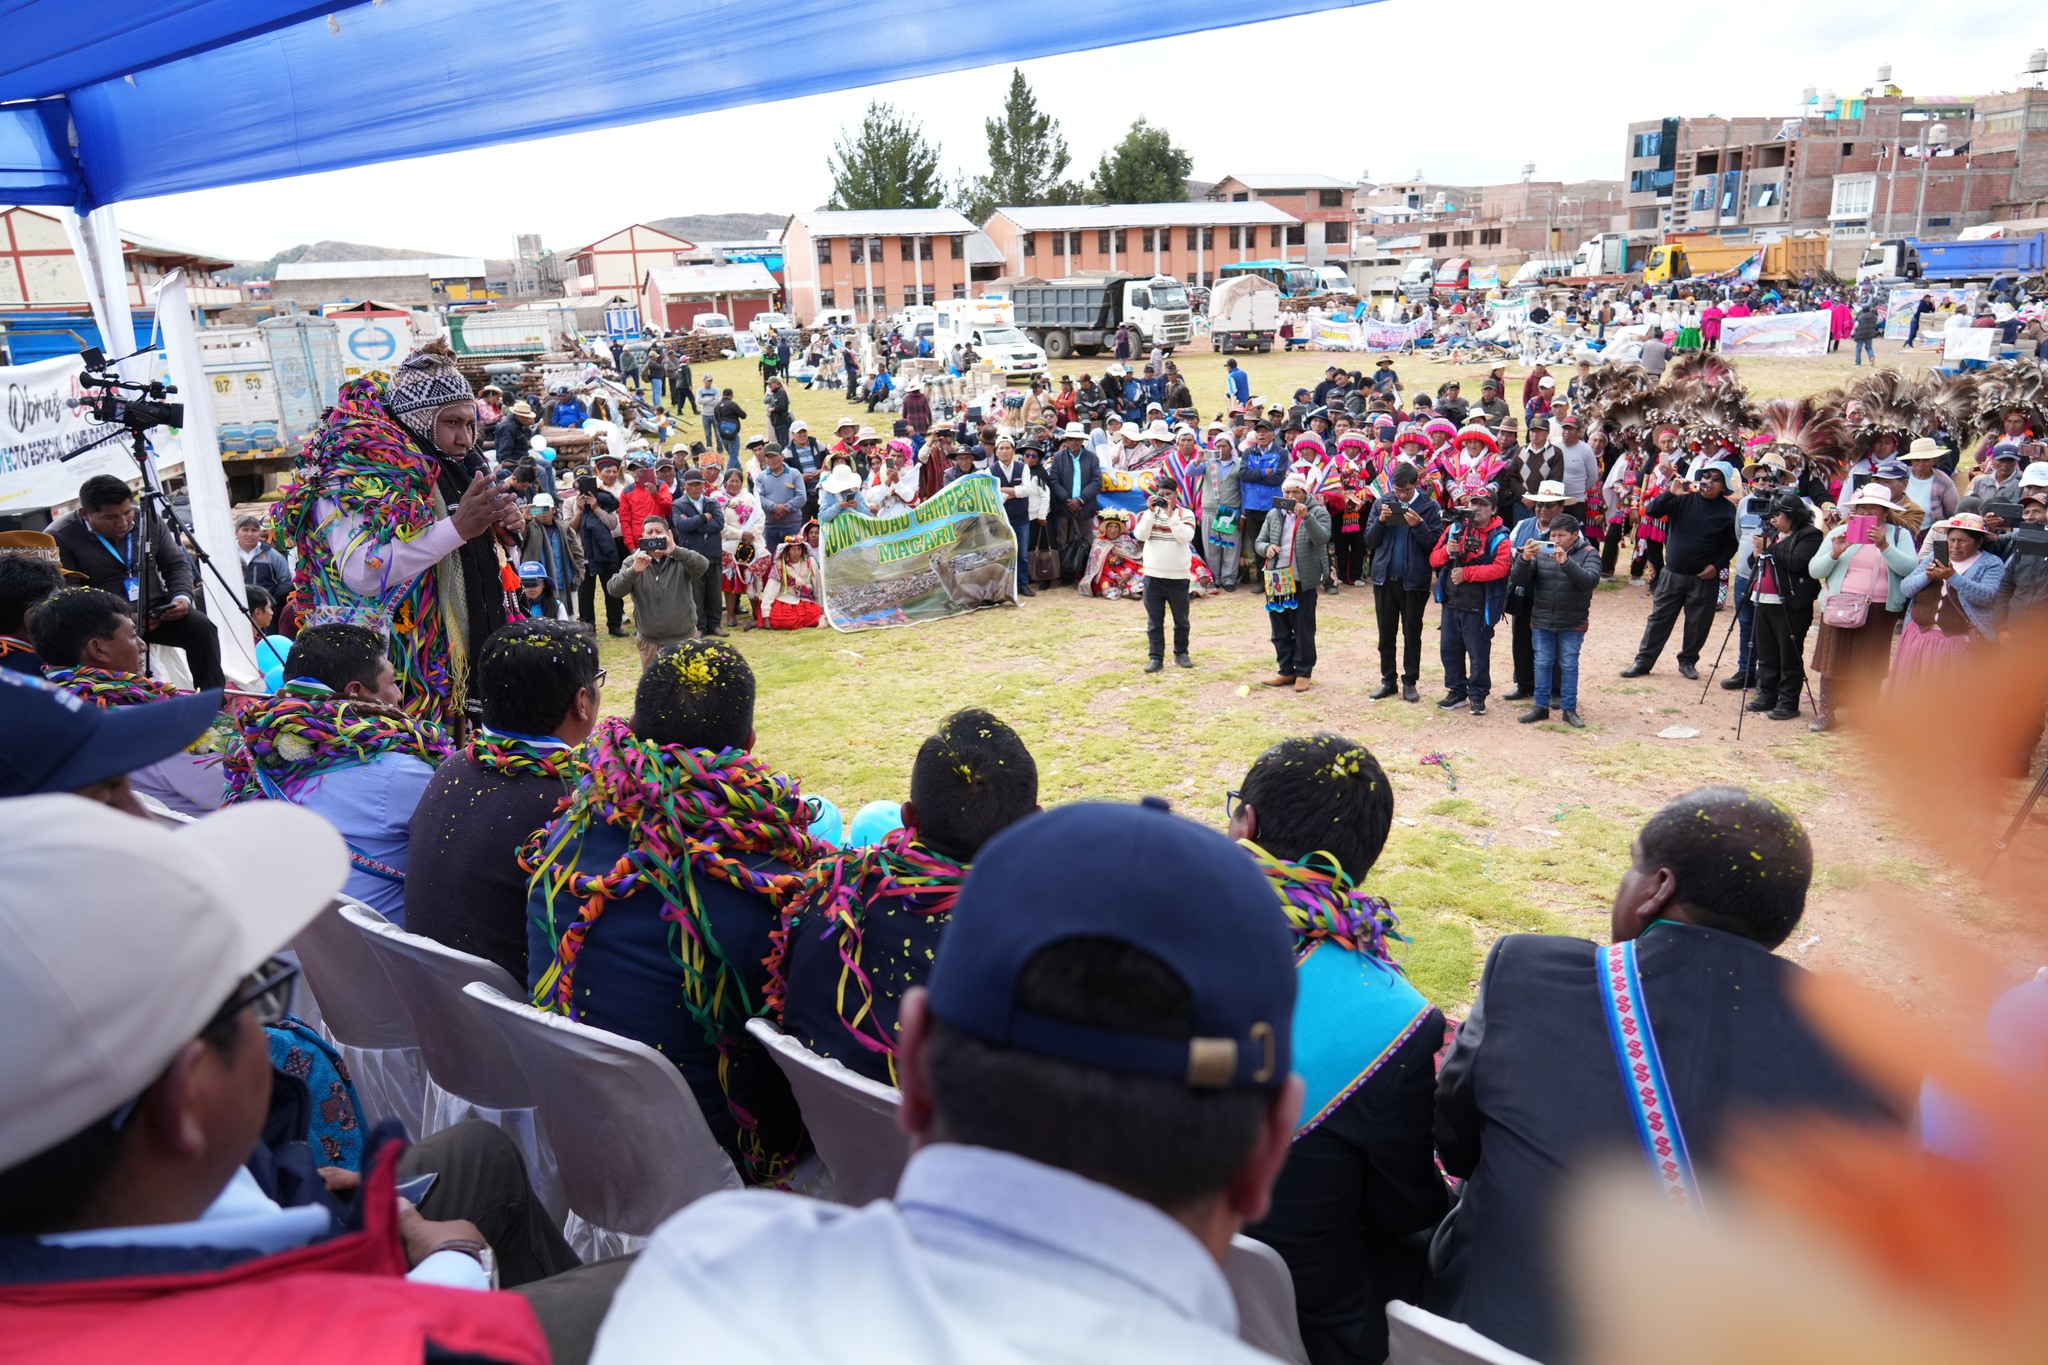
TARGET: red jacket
(637,506)
(344,1301)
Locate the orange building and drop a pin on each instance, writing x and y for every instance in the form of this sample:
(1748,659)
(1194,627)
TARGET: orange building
(874,261)
(1190,239)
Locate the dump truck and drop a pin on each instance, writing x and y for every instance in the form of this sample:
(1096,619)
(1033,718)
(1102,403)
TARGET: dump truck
(1244,315)
(1688,257)
(1915,258)
(1609,253)
(1080,314)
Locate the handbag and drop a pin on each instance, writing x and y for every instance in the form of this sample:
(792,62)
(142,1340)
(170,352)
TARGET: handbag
(1849,607)
(1045,566)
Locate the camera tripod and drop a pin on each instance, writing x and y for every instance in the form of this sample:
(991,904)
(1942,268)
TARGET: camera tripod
(133,418)
(2004,841)
(1734,618)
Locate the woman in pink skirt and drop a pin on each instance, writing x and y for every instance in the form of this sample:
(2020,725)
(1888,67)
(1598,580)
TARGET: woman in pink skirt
(1950,597)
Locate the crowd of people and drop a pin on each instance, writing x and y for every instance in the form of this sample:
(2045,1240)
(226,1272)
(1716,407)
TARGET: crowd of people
(1110,1061)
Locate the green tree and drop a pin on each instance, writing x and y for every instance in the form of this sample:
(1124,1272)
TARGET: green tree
(888,164)
(1145,168)
(1026,159)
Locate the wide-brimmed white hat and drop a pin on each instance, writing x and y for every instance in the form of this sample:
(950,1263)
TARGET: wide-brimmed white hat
(1874,495)
(1550,490)
(842,479)
(1073,431)
(1157,432)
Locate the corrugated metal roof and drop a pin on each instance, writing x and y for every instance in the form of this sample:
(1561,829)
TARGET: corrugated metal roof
(982,250)
(1181,213)
(1267,181)
(884,222)
(434,267)
(744,277)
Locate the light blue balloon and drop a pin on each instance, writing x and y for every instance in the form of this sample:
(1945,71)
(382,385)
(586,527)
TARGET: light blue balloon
(874,822)
(273,678)
(828,826)
(272,651)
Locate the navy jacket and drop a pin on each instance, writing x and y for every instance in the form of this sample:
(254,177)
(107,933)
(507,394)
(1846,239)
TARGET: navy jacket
(628,980)
(1532,1094)
(1063,482)
(699,530)
(1397,546)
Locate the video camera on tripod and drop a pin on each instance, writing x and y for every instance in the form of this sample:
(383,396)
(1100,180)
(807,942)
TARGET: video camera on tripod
(105,396)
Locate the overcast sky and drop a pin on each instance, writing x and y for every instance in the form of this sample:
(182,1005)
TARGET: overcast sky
(1384,89)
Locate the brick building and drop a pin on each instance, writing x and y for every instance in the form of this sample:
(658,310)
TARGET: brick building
(874,261)
(1321,202)
(1884,165)
(1190,239)
(1490,224)
(673,295)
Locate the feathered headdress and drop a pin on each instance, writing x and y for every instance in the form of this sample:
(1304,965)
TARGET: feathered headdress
(1948,405)
(1703,396)
(1795,426)
(1622,397)
(1880,404)
(2008,384)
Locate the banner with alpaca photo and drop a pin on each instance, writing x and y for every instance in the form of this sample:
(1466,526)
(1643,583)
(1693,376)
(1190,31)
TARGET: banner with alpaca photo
(1777,334)
(950,554)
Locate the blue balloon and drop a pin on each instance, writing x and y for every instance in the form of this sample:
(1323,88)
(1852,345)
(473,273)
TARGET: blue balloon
(272,651)
(828,826)
(874,822)
(273,678)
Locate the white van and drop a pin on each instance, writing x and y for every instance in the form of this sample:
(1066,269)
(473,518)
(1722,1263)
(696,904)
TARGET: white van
(1418,277)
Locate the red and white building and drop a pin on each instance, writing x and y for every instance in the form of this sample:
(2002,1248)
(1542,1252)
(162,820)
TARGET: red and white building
(618,264)
(672,295)
(1321,203)
(39,274)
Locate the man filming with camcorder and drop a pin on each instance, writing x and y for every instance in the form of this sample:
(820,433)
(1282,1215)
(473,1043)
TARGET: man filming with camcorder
(660,577)
(102,542)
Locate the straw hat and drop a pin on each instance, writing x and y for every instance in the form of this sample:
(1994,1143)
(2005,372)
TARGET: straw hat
(1874,495)
(1962,521)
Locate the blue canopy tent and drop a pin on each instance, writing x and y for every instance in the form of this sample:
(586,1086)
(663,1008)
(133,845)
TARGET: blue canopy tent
(123,100)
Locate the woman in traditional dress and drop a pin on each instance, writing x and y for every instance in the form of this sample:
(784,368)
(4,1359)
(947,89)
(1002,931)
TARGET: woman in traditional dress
(1868,571)
(398,524)
(1950,611)
(794,593)
(739,543)
(1116,564)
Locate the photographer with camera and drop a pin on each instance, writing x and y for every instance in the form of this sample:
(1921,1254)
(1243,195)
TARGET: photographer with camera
(1699,542)
(1472,562)
(661,578)
(1561,569)
(594,521)
(1780,551)
(100,542)
(1166,530)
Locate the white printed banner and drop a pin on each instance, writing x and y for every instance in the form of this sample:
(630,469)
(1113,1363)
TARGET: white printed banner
(40,423)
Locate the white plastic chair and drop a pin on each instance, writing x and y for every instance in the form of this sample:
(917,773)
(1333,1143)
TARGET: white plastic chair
(1264,1290)
(852,1120)
(1416,1337)
(474,1074)
(629,1139)
(364,1016)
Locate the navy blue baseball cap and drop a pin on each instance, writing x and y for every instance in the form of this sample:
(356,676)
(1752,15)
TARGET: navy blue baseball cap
(1142,876)
(52,740)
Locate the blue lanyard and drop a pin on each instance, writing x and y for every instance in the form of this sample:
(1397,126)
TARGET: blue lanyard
(121,554)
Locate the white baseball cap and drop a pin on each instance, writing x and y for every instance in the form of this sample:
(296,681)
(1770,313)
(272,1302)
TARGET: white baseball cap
(125,938)
(543,502)
(2034,475)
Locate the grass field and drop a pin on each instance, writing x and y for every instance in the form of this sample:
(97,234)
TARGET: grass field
(1532,836)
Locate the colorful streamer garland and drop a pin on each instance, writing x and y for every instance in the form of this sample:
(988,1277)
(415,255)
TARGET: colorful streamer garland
(511,757)
(1323,903)
(836,897)
(365,466)
(306,730)
(684,812)
(108,690)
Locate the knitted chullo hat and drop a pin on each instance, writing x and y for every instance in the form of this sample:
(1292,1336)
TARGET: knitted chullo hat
(427,382)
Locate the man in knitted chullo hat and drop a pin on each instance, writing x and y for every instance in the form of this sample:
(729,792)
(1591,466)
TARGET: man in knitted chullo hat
(397,525)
